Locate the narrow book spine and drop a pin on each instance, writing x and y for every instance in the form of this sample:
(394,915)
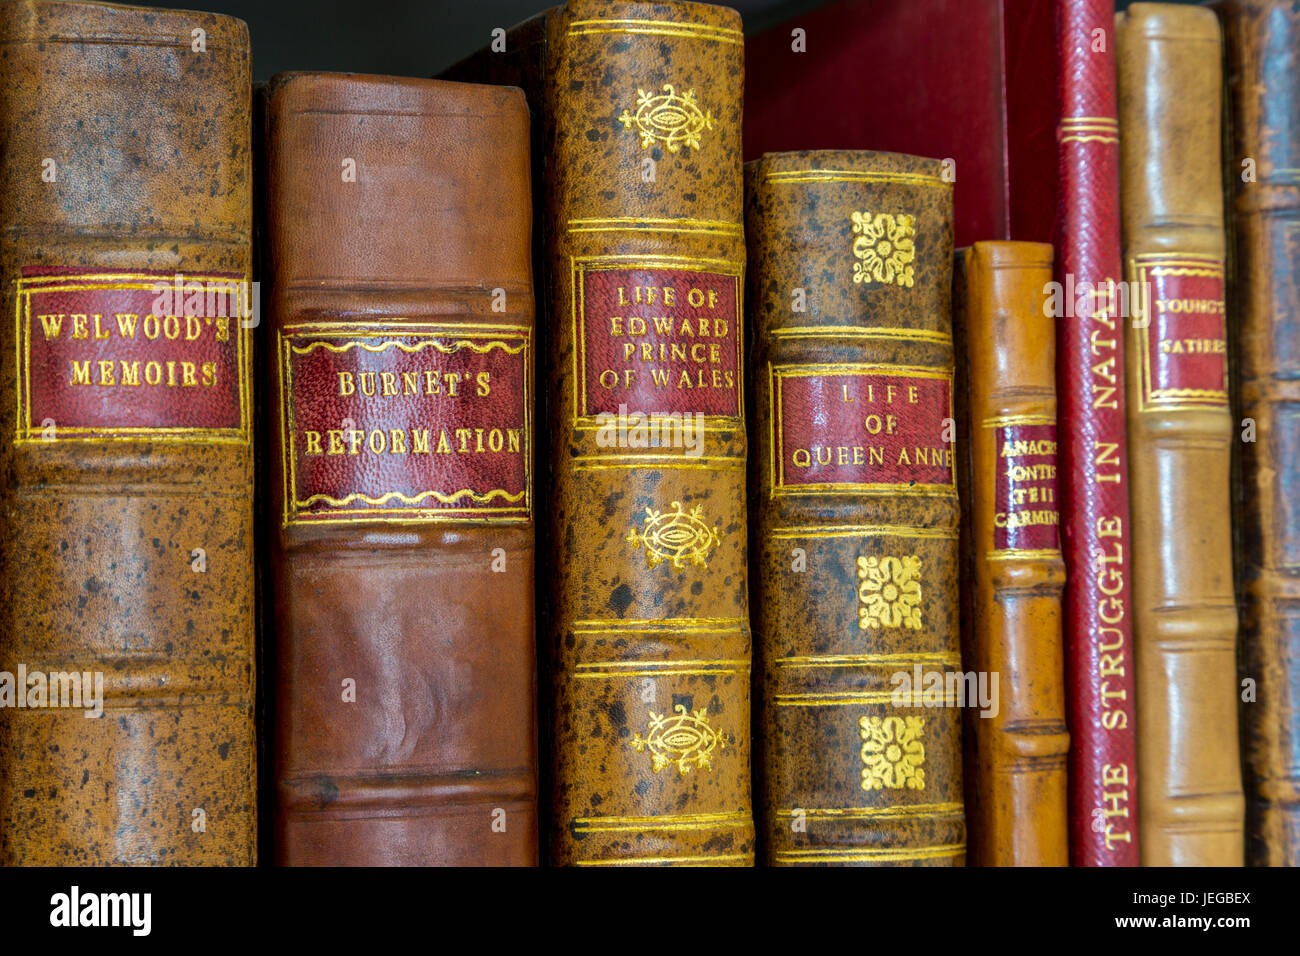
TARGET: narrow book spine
(1180,429)
(1262,167)
(126,465)
(650,634)
(1093,449)
(1012,633)
(854,509)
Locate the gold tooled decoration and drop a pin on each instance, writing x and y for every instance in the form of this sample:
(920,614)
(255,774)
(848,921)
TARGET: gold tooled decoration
(892,753)
(667,118)
(675,536)
(890,592)
(884,248)
(685,739)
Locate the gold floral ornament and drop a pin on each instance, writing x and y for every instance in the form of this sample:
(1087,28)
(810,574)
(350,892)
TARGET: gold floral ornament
(676,536)
(890,592)
(883,248)
(892,753)
(685,739)
(665,117)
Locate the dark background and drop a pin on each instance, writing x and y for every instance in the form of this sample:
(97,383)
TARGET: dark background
(415,37)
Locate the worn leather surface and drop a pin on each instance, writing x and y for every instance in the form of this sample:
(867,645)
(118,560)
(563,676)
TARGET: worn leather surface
(434,760)
(1186,621)
(1262,40)
(649,658)
(150,143)
(1015,770)
(1094,483)
(847,774)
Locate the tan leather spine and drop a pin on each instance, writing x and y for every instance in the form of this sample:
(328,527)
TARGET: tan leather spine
(650,629)
(854,508)
(1190,802)
(128,553)
(1016,781)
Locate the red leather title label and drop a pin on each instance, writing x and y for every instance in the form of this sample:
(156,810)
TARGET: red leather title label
(402,421)
(864,427)
(657,341)
(1025,516)
(105,355)
(1184,360)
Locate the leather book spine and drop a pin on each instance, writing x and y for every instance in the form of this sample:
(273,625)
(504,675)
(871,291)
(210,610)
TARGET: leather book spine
(126,468)
(1007,450)
(1180,432)
(405,689)
(649,634)
(1262,167)
(1094,485)
(854,508)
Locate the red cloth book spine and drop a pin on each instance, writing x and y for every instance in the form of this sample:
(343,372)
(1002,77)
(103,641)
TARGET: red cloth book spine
(1094,467)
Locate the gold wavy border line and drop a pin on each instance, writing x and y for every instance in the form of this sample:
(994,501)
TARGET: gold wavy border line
(455,347)
(481,498)
(1186,271)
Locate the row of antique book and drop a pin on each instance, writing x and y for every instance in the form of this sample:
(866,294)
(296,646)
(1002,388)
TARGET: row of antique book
(825,551)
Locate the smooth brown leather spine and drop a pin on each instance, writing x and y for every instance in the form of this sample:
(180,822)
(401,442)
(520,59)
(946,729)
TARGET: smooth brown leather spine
(1190,798)
(1262,38)
(147,142)
(854,507)
(426,606)
(1006,385)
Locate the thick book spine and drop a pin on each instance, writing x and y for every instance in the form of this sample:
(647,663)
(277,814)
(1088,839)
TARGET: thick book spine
(1180,429)
(126,467)
(1011,629)
(405,694)
(1094,486)
(650,647)
(854,509)
(1262,167)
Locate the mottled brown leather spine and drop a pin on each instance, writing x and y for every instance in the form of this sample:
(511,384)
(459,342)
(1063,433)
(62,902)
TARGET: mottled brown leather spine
(1011,591)
(1262,40)
(824,676)
(632,640)
(97,541)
